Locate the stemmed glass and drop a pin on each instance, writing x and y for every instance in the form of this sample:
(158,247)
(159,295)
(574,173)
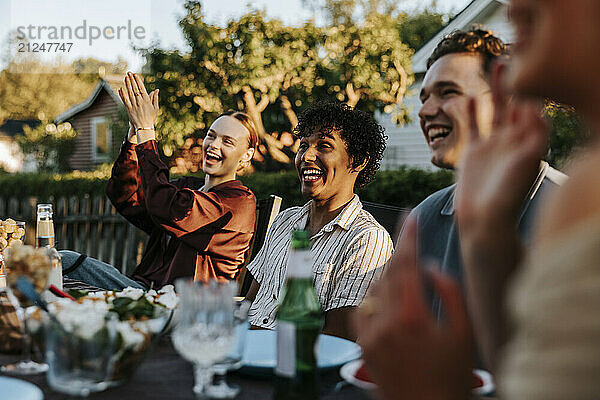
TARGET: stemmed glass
(204,332)
(220,389)
(35,264)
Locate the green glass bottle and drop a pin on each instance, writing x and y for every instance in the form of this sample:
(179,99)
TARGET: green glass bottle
(299,322)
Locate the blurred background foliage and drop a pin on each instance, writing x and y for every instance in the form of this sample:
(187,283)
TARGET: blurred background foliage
(405,187)
(359,53)
(272,71)
(568,135)
(50,145)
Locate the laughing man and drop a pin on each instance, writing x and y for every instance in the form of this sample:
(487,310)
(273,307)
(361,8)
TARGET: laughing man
(460,69)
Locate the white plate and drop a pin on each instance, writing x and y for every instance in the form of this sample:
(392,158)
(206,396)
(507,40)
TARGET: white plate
(12,388)
(260,352)
(488,386)
(348,373)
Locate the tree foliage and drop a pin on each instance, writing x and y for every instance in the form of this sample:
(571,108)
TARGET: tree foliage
(36,90)
(567,133)
(416,29)
(33,89)
(272,71)
(50,145)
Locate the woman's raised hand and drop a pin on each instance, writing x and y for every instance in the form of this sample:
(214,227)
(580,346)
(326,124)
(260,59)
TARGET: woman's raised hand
(494,179)
(142,108)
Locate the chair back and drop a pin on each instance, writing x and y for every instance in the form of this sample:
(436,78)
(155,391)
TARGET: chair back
(266,211)
(390,217)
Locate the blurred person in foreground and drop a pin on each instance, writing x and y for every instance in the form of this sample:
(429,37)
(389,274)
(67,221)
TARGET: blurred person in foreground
(536,312)
(460,69)
(340,150)
(198,227)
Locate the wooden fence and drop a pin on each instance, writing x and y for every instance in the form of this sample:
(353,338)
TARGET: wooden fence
(88,225)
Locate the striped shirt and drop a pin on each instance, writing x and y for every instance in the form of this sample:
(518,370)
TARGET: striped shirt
(350,253)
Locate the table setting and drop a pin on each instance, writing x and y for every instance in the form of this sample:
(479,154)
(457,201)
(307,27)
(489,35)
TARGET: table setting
(156,344)
(191,341)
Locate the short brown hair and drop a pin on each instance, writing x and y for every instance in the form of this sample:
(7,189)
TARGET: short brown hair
(253,139)
(476,41)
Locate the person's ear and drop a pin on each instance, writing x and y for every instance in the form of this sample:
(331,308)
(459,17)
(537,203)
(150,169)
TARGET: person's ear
(247,157)
(361,166)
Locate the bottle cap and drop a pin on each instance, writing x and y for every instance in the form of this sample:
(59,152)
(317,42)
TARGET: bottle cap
(300,239)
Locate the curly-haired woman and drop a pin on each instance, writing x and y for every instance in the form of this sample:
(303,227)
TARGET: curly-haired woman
(340,150)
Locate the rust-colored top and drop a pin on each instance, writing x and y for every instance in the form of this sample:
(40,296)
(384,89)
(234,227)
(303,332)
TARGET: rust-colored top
(192,233)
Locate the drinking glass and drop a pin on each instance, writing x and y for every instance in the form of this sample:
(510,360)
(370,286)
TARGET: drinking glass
(204,332)
(36,265)
(220,389)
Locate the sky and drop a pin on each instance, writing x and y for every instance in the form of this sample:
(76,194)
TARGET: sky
(107,29)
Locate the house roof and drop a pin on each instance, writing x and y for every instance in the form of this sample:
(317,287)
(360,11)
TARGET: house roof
(474,12)
(108,84)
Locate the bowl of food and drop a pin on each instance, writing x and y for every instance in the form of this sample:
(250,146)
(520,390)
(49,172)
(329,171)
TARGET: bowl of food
(126,322)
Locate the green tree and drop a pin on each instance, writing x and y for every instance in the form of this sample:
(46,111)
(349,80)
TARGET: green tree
(50,145)
(416,29)
(246,65)
(367,63)
(567,133)
(32,89)
(271,71)
(37,90)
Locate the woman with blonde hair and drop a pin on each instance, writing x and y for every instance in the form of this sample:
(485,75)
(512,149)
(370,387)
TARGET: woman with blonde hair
(198,227)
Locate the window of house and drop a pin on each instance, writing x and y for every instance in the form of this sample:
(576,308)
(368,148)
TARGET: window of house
(101,139)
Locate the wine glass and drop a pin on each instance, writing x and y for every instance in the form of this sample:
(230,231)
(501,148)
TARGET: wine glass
(35,264)
(204,332)
(220,389)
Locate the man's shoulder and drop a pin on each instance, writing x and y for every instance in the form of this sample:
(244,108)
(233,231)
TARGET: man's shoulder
(436,201)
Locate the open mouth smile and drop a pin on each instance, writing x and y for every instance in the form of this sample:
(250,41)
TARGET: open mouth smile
(438,133)
(311,174)
(213,157)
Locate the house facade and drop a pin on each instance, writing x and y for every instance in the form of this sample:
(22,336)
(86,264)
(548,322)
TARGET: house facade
(92,119)
(406,144)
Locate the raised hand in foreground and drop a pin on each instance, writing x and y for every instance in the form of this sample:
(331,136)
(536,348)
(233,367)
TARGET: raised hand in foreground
(142,108)
(408,354)
(494,180)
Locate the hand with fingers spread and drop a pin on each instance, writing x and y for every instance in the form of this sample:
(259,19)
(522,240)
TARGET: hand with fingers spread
(142,108)
(494,179)
(496,173)
(408,354)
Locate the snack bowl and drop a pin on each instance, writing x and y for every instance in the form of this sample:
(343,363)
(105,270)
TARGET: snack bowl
(101,338)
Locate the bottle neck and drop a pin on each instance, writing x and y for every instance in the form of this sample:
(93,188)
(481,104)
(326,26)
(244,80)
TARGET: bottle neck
(300,264)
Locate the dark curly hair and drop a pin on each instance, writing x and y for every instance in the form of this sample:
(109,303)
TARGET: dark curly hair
(476,40)
(364,138)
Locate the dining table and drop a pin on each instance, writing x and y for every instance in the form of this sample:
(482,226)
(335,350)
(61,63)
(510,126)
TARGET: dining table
(165,375)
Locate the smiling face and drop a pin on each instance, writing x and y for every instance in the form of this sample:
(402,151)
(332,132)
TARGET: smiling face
(555,53)
(324,167)
(444,117)
(225,147)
